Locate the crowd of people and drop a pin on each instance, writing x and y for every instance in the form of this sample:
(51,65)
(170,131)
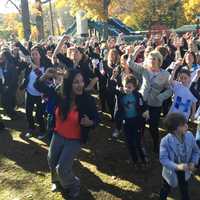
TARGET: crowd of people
(137,84)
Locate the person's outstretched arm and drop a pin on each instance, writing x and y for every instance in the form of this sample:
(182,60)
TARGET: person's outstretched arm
(59,46)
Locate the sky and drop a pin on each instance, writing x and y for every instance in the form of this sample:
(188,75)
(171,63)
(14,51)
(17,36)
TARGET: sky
(6,8)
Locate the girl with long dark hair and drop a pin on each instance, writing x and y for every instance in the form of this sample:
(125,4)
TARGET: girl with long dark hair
(33,96)
(111,65)
(75,115)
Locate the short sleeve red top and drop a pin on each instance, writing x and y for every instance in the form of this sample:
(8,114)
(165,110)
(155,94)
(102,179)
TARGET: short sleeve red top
(70,127)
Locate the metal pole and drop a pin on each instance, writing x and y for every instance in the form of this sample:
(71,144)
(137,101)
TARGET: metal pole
(51,16)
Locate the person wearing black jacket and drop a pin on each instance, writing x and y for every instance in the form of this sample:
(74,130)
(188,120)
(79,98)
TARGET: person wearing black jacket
(19,63)
(76,60)
(33,96)
(2,126)
(82,63)
(100,72)
(131,108)
(45,61)
(9,87)
(195,87)
(75,115)
(111,64)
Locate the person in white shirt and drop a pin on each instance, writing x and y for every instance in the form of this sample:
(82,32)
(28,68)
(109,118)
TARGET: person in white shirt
(33,96)
(183,100)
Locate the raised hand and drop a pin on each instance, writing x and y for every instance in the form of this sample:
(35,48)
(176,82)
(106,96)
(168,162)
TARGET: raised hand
(65,38)
(138,49)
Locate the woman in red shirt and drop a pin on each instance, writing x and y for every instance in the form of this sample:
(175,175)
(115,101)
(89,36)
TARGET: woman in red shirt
(75,115)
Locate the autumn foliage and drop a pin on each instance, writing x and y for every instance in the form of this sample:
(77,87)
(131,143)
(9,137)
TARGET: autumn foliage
(139,14)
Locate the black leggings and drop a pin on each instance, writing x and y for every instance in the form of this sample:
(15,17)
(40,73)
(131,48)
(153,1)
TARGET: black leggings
(31,101)
(154,120)
(102,97)
(110,99)
(166,106)
(9,101)
(133,138)
(183,187)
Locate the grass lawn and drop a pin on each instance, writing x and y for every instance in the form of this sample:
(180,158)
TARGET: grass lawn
(103,166)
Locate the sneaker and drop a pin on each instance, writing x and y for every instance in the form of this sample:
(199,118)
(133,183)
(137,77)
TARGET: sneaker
(56,187)
(75,188)
(73,191)
(41,136)
(28,135)
(115,133)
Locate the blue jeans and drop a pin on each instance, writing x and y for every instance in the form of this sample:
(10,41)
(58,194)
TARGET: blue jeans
(60,159)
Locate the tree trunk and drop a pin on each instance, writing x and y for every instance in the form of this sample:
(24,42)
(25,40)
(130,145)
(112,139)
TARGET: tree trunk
(51,17)
(26,19)
(39,21)
(105,8)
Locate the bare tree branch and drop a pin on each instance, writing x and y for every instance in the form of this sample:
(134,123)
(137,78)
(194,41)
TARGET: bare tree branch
(13,3)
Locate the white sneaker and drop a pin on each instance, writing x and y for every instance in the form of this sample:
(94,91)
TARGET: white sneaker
(28,135)
(115,133)
(40,137)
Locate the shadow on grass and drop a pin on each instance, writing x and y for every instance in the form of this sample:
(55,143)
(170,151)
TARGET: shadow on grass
(96,185)
(17,124)
(30,157)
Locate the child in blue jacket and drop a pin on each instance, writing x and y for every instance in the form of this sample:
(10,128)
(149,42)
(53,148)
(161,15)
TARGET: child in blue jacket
(179,154)
(130,108)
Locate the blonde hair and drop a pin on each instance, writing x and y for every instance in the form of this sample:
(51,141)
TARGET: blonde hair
(158,55)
